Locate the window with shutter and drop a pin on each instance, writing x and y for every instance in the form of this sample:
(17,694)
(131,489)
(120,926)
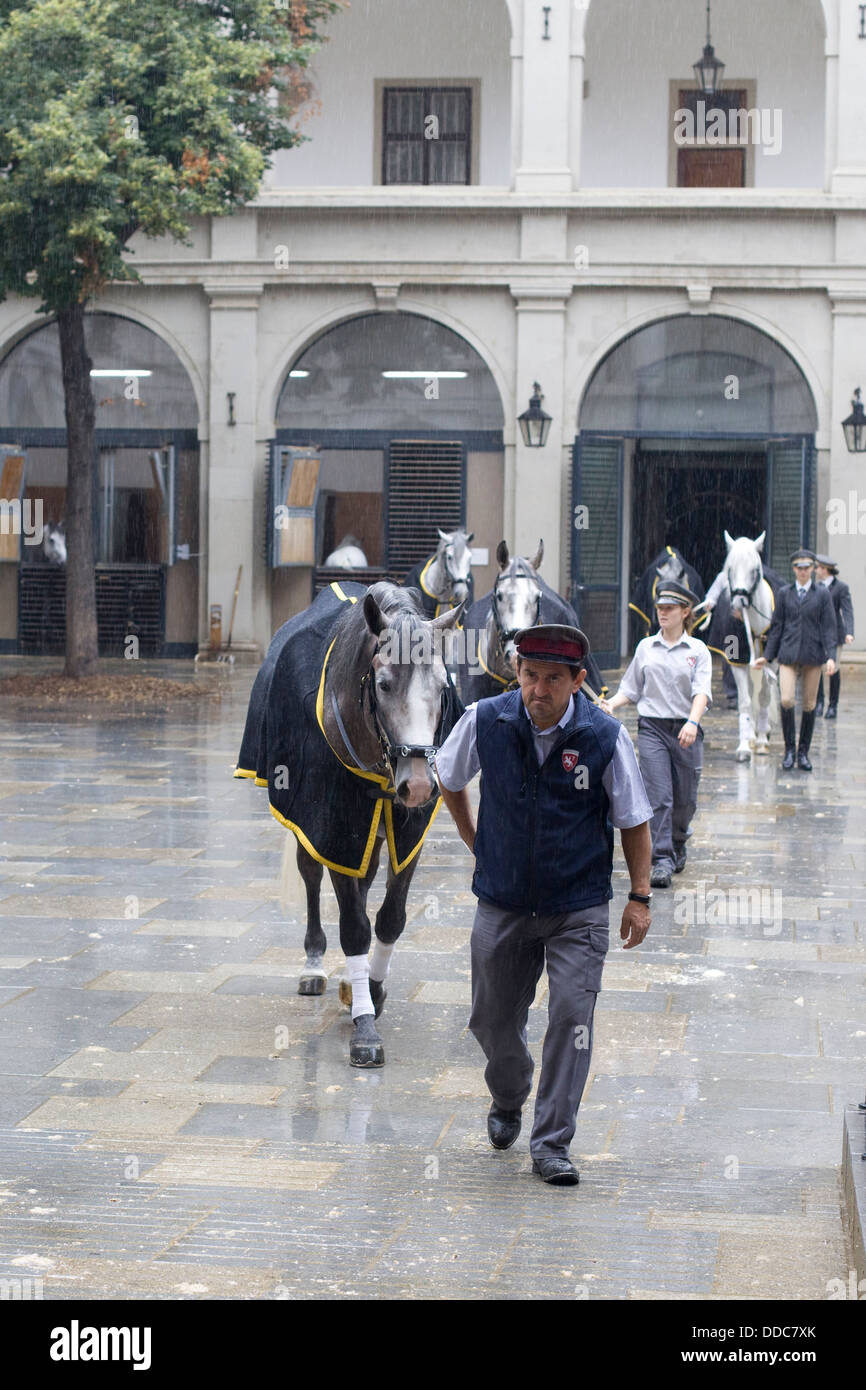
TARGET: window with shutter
(426,134)
(425,490)
(598,470)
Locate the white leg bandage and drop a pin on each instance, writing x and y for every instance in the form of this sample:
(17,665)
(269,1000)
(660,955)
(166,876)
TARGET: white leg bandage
(380,959)
(358,971)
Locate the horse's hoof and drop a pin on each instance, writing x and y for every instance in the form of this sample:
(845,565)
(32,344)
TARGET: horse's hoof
(743,755)
(312,984)
(345,993)
(762,749)
(378,994)
(366,1049)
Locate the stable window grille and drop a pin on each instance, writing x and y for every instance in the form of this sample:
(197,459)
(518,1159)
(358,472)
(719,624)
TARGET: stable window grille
(425,489)
(426,134)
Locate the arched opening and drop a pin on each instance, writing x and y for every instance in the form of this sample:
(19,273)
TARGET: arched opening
(642,55)
(147,495)
(692,425)
(403,422)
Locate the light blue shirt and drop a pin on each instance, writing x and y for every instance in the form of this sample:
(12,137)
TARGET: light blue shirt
(457,762)
(664,677)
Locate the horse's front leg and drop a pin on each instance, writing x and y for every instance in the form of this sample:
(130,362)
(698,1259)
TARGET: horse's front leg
(314,976)
(743,678)
(390,921)
(762,731)
(365,1049)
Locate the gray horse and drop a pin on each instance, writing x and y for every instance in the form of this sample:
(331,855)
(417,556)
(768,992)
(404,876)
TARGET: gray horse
(345,717)
(520,598)
(444,579)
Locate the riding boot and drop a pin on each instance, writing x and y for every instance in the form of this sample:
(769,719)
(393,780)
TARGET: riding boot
(819,703)
(807,724)
(789,734)
(834,696)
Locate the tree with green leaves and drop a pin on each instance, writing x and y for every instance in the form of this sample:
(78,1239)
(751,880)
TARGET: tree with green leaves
(116,118)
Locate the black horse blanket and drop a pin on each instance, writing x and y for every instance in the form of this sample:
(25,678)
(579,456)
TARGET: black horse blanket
(727,633)
(334,810)
(476,682)
(417,579)
(642,605)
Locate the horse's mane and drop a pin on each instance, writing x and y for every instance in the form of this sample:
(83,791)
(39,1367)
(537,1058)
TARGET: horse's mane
(349,656)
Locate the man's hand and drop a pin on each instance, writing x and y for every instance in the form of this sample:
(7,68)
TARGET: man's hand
(831,667)
(759,662)
(635,924)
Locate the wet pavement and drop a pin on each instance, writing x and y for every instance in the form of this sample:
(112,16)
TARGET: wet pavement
(176,1122)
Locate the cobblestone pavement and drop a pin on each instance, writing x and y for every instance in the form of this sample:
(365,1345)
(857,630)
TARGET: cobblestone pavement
(175,1121)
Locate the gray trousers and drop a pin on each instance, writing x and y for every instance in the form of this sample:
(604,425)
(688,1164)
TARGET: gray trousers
(508,956)
(671,775)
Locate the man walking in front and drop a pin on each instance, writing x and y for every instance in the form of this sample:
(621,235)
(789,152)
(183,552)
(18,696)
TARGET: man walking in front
(557,774)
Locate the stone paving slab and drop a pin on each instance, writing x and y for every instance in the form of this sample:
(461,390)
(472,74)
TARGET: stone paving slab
(175,1122)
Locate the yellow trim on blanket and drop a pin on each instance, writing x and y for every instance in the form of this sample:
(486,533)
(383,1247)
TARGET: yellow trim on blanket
(634,608)
(502,681)
(244,772)
(338,868)
(440,607)
(392,844)
(344,598)
(384,782)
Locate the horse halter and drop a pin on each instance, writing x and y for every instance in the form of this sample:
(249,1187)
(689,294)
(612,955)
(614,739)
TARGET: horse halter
(508,634)
(451,577)
(391,751)
(747,595)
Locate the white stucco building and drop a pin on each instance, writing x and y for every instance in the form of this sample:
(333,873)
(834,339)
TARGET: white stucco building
(695,314)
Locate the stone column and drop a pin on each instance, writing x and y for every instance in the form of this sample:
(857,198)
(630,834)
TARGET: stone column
(233,527)
(849,98)
(538,498)
(543,165)
(841,531)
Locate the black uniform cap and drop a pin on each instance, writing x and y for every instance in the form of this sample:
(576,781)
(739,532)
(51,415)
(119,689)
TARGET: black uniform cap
(671,591)
(803,554)
(827,563)
(553,642)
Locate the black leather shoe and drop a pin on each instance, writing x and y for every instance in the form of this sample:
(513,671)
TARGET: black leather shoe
(503,1127)
(679,860)
(803,760)
(660,876)
(831,712)
(788,760)
(559,1172)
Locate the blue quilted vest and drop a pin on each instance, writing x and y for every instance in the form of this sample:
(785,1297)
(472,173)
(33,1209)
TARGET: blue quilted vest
(544,842)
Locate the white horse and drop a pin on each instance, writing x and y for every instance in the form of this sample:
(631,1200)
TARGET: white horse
(751,599)
(348,555)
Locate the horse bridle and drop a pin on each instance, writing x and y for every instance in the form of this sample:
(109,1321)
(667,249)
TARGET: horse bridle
(507,635)
(451,577)
(747,595)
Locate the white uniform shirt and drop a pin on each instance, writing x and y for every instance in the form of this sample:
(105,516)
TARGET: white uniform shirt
(664,678)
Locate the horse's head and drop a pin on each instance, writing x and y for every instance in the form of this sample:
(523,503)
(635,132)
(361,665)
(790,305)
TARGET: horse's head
(516,601)
(743,568)
(455,557)
(673,568)
(408,682)
(54,543)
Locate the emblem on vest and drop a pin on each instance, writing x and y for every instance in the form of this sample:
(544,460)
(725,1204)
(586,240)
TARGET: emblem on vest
(571,762)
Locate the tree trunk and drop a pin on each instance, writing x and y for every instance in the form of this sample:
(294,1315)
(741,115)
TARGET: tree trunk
(82,646)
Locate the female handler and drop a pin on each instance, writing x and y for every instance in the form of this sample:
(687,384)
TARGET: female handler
(669,680)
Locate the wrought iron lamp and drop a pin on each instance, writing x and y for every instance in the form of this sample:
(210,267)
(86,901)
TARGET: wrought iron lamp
(855,426)
(709,69)
(535,423)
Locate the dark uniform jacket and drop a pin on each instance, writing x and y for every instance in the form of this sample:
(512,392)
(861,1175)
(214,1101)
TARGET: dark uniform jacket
(841,596)
(803,631)
(544,842)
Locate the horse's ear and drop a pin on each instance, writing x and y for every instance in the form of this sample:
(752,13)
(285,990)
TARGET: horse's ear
(759,543)
(448,619)
(443,535)
(470,538)
(502,554)
(373,615)
(729,540)
(538,556)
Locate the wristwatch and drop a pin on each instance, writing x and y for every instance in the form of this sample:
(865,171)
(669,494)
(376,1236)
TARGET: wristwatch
(640,898)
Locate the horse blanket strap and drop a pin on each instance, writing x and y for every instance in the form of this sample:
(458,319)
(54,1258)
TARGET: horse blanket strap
(336,811)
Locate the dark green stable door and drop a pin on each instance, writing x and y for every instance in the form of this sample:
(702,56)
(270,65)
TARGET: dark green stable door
(596,542)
